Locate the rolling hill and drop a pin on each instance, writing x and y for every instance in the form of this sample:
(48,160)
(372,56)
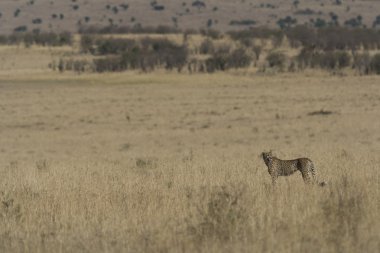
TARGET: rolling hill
(69,15)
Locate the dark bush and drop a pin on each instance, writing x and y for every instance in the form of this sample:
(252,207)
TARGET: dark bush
(38,38)
(320,23)
(239,59)
(3,40)
(276,60)
(16,13)
(257,50)
(146,55)
(334,60)
(136,29)
(306,58)
(211,33)
(124,6)
(376,22)
(105,46)
(158,7)
(354,22)
(207,47)
(243,22)
(87,43)
(223,59)
(301,36)
(108,64)
(334,38)
(375,64)
(22,28)
(286,22)
(78,66)
(246,36)
(362,63)
(198,4)
(329,60)
(343,58)
(37,21)
(216,63)
(306,11)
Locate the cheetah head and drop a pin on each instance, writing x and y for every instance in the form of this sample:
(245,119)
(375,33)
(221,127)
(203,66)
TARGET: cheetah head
(267,157)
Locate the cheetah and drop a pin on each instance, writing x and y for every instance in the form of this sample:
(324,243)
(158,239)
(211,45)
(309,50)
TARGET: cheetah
(278,167)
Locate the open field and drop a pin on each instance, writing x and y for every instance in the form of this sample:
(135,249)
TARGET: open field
(57,15)
(170,163)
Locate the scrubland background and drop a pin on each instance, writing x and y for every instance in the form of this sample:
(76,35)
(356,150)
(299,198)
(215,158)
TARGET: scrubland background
(224,15)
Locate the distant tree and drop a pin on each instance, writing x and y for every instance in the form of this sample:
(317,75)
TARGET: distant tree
(158,7)
(209,23)
(375,63)
(320,23)
(22,28)
(296,3)
(16,13)
(276,59)
(376,22)
(37,21)
(286,22)
(199,4)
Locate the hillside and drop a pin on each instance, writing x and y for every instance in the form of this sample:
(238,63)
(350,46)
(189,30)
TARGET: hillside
(69,15)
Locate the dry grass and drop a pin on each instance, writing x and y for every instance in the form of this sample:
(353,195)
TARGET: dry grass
(170,163)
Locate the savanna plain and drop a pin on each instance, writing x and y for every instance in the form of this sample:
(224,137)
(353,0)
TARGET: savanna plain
(166,162)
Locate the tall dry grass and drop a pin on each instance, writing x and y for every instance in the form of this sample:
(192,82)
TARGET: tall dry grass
(170,163)
(198,204)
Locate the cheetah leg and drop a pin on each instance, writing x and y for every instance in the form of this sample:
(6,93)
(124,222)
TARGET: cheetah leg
(274,180)
(306,177)
(313,173)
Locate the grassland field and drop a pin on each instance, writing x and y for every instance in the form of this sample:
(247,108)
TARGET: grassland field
(167,162)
